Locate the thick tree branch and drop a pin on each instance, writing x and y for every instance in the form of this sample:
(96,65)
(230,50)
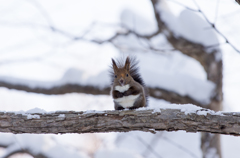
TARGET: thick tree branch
(121,121)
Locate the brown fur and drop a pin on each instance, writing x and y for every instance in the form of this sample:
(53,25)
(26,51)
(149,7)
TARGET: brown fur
(122,77)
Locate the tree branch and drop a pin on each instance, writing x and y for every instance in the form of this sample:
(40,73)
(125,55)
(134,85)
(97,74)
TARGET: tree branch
(199,52)
(209,59)
(238,1)
(158,93)
(121,121)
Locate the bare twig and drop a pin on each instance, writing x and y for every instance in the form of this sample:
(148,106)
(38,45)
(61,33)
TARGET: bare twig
(43,11)
(212,25)
(149,147)
(180,147)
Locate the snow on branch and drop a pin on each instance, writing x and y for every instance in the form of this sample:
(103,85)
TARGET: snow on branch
(193,119)
(64,88)
(197,48)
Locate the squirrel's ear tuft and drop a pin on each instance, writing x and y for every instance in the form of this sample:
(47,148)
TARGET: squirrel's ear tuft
(127,64)
(114,65)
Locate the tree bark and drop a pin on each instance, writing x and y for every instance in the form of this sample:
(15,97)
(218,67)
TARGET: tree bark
(213,67)
(121,121)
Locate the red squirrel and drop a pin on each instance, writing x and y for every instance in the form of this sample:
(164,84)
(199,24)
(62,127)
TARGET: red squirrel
(128,89)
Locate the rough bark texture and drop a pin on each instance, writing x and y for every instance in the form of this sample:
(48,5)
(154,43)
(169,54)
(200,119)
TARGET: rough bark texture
(121,121)
(207,58)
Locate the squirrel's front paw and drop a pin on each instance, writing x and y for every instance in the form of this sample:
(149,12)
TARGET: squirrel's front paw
(125,93)
(120,95)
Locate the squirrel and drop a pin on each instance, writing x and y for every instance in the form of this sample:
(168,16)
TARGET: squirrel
(128,89)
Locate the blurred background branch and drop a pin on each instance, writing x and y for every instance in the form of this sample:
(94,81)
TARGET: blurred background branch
(65,48)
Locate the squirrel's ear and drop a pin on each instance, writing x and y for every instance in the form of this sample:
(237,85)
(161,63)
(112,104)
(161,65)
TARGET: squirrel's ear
(114,65)
(127,64)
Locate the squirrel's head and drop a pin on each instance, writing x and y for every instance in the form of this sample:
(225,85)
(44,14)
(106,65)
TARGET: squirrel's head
(122,74)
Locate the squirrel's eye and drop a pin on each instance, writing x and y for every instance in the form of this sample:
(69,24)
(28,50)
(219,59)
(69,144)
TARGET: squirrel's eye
(127,75)
(115,76)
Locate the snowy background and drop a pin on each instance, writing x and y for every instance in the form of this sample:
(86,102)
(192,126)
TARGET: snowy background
(49,43)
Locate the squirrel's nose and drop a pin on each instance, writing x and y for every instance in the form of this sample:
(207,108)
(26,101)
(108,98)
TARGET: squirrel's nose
(121,81)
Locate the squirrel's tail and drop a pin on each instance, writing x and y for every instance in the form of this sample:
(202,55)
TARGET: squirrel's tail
(134,72)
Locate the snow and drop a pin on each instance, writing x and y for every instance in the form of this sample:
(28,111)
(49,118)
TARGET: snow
(33,55)
(36,110)
(52,103)
(161,144)
(156,106)
(137,23)
(160,42)
(33,117)
(116,153)
(93,75)
(156,110)
(172,75)
(83,102)
(92,111)
(175,72)
(190,25)
(229,146)
(61,115)
(211,153)
(231,79)
(45,144)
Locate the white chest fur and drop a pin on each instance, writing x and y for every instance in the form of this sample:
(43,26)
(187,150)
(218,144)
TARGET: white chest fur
(122,88)
(127,101)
